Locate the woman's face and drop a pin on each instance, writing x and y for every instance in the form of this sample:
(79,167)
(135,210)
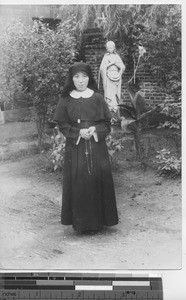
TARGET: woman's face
(110,48)
(80,80)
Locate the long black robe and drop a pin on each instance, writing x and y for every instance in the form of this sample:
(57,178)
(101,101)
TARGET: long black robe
(88,200)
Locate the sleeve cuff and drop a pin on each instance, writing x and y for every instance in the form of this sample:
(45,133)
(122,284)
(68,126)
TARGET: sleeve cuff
(78,140)
(95,136)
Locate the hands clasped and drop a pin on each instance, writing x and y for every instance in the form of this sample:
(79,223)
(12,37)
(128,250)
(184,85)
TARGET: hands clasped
(86,133)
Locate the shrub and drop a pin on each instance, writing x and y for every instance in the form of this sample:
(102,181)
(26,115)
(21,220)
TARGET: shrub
(58,148)
(35,60)
(114,145)
(169,165)
(172,111)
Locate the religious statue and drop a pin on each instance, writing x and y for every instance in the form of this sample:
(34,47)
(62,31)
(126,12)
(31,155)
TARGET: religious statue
(111,70)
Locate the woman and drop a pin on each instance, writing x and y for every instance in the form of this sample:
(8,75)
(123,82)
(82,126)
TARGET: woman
(88,201)
(111,70)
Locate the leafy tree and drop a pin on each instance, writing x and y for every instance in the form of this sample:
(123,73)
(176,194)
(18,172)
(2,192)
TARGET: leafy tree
(36,60)
(12,59)
(84,16)
(162,39)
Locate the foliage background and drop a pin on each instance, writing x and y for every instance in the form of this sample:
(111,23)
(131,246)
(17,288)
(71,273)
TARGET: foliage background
(156,27)
(35,59)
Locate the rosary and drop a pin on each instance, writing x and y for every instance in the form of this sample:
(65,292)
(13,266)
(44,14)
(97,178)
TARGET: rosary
(88,152)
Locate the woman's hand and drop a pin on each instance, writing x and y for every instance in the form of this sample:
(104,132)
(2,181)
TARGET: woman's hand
(91,130)
(87,133)
(84,133)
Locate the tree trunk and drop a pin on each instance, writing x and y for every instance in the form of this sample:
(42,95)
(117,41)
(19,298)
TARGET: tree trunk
(40,122)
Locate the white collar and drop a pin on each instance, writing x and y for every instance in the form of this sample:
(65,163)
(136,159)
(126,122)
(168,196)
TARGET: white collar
(85,94)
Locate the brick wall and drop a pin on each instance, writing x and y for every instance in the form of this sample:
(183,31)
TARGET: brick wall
(94,49)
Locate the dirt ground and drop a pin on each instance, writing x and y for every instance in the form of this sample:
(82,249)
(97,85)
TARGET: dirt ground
(148,235)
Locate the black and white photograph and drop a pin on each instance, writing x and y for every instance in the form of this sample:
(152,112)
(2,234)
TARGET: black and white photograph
(90,136)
